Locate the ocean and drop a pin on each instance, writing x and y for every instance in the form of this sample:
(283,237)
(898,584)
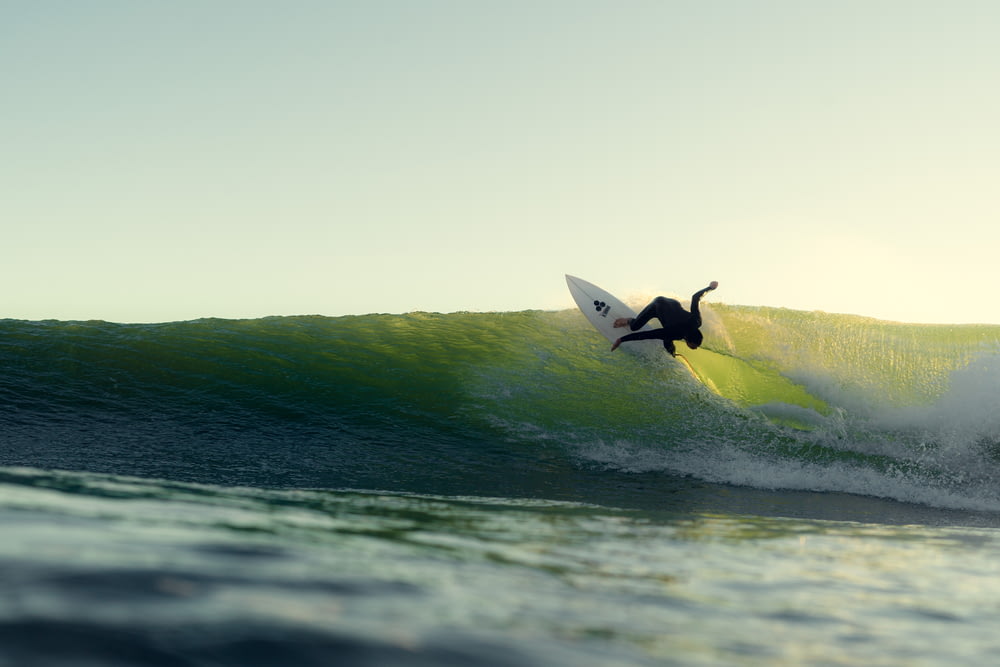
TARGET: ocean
(498,489)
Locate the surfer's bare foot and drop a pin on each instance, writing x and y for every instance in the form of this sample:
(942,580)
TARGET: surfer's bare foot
(622,322)
(617,343)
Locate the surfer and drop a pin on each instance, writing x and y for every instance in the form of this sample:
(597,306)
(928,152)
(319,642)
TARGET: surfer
(678,324)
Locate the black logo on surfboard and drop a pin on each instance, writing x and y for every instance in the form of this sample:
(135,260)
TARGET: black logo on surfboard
(602,308)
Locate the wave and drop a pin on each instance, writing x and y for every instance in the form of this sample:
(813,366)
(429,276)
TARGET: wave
(507,404)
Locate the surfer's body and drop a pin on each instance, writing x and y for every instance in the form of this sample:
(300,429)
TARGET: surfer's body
(677,323)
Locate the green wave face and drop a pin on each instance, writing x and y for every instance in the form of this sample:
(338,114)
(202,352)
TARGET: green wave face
(417,401)
(902,364)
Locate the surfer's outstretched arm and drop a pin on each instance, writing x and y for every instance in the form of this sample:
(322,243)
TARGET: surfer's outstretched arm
(696,298)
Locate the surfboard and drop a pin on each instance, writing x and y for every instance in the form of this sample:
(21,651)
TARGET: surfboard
(602,308)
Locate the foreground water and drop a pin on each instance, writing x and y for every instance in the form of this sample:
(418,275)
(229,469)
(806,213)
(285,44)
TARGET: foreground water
(496,489)
(124,571)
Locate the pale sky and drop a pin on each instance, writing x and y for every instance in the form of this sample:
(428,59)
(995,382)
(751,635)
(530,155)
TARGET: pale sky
(167,160)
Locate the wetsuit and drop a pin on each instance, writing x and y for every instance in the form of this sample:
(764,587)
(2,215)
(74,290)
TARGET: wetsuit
(677,322)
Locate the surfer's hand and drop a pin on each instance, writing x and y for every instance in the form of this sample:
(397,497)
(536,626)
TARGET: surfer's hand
(617,343)
(622,322)
(713,284)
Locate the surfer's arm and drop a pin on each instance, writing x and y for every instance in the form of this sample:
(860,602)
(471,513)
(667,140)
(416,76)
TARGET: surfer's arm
(696,297)
(696,300)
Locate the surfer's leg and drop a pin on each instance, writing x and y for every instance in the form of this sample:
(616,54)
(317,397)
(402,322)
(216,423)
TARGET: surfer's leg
(668,310)
(644,316)
(639,335)
(664,309)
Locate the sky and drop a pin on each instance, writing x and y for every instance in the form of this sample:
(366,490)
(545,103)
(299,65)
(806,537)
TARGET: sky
(170,160)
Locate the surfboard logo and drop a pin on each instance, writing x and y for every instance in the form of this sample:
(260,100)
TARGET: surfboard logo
(602,308)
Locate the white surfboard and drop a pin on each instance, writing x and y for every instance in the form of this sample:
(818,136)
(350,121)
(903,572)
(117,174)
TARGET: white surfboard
(602,309)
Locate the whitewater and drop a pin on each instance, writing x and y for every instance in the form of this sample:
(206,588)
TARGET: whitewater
(498,488)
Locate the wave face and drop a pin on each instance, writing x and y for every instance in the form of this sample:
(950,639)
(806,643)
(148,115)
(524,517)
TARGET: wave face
(518,404)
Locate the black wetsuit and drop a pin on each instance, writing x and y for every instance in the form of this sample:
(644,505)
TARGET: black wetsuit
(676,321)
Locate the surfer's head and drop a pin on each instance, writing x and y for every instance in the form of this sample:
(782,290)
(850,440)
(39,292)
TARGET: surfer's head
(693,338)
